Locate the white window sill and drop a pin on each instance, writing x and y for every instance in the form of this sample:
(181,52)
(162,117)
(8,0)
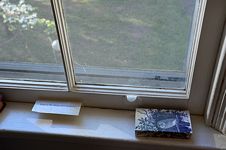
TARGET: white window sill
(101,124)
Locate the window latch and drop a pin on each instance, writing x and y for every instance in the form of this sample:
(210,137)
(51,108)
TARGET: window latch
(131,98)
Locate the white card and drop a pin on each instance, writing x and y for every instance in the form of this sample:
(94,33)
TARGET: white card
(57,107)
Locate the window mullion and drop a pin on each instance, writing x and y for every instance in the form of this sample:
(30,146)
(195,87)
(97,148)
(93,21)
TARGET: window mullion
(58,12)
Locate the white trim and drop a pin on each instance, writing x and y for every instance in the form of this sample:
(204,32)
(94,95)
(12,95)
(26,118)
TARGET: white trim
(215,114)
(64,42)
(197,28)
(212,100)
(34,85)
(141,92)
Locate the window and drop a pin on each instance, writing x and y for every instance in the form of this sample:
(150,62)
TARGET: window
(27,31)
(130,43)
(141,48)
(127,47)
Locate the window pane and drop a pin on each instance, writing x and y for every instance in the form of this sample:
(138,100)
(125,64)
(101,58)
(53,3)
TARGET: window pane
(28,41)
(141,43)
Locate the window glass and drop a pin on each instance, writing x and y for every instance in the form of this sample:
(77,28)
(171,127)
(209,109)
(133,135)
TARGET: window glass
(143,43)
(29,46)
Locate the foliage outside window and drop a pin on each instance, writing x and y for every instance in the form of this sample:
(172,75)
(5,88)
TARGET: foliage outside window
(23,16)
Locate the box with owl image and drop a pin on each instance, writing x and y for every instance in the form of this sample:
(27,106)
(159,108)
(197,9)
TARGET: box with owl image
(162,123)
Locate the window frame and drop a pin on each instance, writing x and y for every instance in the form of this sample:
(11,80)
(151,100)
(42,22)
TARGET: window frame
(195,103)
(115,90)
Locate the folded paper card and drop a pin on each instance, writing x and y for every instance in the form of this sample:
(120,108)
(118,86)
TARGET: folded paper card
(163,123)
(57,107)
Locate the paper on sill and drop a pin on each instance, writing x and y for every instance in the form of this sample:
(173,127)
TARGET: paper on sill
(57,107)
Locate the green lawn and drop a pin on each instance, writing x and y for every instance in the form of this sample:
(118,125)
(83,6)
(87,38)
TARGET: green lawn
(134,34)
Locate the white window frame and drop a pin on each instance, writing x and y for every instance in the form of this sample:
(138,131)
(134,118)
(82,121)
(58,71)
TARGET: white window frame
(144,92)
(31,91)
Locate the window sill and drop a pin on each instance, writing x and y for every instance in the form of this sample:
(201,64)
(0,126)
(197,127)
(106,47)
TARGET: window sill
(100,125)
